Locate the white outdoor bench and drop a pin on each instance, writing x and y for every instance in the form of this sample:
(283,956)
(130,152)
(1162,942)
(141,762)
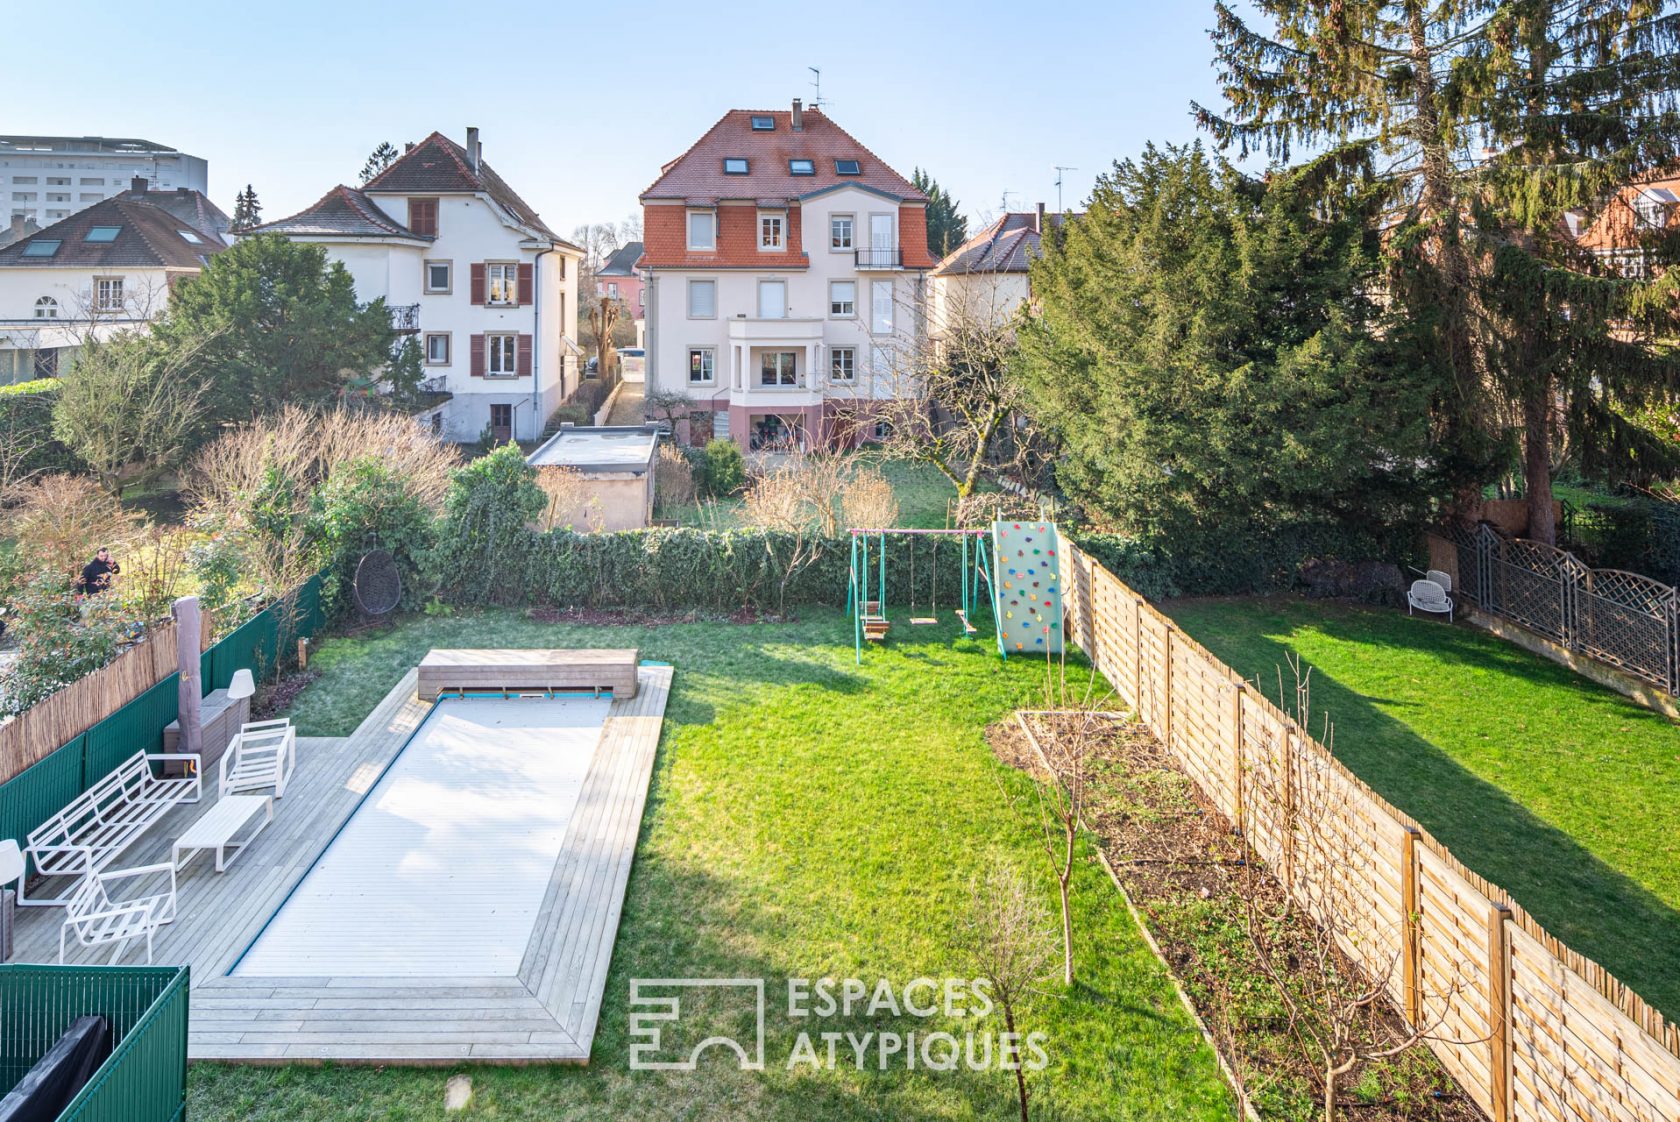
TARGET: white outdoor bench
(103,821)
(216,828)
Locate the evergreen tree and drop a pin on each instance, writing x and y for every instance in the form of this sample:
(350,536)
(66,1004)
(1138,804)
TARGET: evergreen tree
(1207,354)
(946,227)
(247,211)
(1483,121)
(378,160)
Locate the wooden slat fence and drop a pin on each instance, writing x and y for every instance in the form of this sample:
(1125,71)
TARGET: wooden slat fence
(1534,1031)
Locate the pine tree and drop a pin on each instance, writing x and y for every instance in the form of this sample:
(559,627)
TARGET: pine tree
(1483,120)
(247,211)
(946,227)
(378,160)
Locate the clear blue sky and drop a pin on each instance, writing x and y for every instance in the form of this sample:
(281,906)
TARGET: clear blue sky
(580,103)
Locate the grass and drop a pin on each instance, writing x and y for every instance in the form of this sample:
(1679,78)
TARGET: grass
(808,818)
(1565,794)
(924,498)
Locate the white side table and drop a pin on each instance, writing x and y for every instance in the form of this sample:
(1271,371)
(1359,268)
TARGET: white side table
(219,825)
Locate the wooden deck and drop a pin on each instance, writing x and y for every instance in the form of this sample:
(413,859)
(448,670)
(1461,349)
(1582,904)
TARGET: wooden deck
(546,1012)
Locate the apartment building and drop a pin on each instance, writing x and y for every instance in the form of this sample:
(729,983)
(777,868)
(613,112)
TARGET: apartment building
(785,268)
(472,271)
(49,178)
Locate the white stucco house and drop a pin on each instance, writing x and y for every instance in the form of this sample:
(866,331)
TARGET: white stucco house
(985,281)
(472,271)
(107,268)
(785,266)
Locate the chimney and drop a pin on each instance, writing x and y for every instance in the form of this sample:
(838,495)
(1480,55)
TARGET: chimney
(408,146)
(18,222)
(138,185)
(1039,229)
(798,115)
(472,148)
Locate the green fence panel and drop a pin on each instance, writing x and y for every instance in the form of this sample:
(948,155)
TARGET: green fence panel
(253,644)
(41,790)
(206,671)
(136,727)
(145,1078)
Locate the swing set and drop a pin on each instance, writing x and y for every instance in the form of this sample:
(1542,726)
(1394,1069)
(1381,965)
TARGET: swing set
(866,593)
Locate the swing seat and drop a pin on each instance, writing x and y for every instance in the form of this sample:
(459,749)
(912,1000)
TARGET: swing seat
(874,628)
(962,617)
(920,621)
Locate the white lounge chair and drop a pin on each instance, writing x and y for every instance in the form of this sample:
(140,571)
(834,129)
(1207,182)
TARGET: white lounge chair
(1427,596)
(97,920)
(262,755)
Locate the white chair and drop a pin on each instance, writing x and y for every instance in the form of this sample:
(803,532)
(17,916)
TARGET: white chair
(1440,578)
(262,755)
(1427,596)
(96,919)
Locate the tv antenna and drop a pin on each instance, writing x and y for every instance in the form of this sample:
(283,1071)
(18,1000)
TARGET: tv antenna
(1003,204)
(1060,168)
(817,101)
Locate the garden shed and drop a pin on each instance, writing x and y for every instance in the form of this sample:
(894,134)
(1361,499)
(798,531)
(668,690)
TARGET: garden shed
(614,472)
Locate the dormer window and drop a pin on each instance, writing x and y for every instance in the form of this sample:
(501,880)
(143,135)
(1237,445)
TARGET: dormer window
(763,124)
(734,165)
(802,167)
(846,167)
(702,230)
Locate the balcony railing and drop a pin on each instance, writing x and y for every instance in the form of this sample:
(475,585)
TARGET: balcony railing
(405,318)
(879,258)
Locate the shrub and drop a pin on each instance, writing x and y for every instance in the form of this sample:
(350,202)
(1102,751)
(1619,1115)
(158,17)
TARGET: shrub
(27,445)
(61,637)
(368,505)
(62,519)
(726,468)
(487,516)
(673,477)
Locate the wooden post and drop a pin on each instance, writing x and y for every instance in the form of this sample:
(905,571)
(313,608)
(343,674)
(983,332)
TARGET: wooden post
(1499,1011)
(1288,765)
(1137,654)
(1239,811)
(1411,929)
(1167,684)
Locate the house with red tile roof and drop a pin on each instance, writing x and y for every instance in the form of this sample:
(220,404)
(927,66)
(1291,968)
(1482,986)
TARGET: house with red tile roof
(984,281)
(472,270)
(785,267)
(1635,214)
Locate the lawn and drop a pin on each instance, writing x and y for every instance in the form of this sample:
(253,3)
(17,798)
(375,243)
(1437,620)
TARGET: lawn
(924,498)
(1564,793)
(808,818)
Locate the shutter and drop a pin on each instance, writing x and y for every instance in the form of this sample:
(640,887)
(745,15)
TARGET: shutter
(527,287)
(477,352)
(524,356)
(478,291)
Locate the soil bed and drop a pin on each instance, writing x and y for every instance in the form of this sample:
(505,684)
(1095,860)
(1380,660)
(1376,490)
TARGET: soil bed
(1183,868)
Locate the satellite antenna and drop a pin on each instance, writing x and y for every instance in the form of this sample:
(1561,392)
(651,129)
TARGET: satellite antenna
(817,101)
(1060,168)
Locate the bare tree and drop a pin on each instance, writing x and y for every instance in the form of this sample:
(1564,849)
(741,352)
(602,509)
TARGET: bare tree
(667,407)
(603,319)
(1007,937)
(673,478)
(869,500)
(61,519)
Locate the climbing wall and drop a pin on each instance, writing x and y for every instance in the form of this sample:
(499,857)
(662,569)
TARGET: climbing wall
(1029,586)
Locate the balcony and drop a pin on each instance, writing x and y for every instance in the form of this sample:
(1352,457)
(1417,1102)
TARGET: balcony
(405,318)
(879,257)
(758,331)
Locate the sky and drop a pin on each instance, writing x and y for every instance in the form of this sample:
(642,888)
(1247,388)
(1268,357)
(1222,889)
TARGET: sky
(579,104)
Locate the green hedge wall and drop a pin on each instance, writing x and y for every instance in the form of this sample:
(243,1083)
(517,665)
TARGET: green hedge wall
(26,412)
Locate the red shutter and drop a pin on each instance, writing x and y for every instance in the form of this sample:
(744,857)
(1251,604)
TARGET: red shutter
(524,357)
(477,350)
(527,288)
(478,290)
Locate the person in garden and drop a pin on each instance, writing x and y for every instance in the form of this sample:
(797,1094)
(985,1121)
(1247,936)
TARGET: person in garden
(98,574)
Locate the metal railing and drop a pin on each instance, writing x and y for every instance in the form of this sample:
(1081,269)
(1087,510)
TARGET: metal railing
(405,318)
(879,258)
(1624,619)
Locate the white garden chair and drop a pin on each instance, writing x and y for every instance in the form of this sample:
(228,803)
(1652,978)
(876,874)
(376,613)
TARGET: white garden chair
(1441,578)
(96,919)
(1427,596)
(262,755)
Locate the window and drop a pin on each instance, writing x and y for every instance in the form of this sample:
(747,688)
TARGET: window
(881,305)
(702,229)
(702,365)
(840,231)
(759,124)
(772,299)
(57,181)
(501,282)
(423,217)
(91,196)
(778,368)
(802,167)
(770,230)
(107,294)
(612,289)
(46,308)
(54,197)
(501,356)
(702,299)
(440,276)
(189,236)
(842,364)
(23,196)
(29,179)
(92,182)
(842,298)
(846,167)
(437,348)
(102,233)
(46,363)
(437,423)
(42,247)
(734,165)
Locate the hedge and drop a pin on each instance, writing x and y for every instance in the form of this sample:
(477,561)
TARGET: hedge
(26,409)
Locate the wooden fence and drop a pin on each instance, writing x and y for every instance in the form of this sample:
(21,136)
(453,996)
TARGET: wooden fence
(1532,1030)
(62,716)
